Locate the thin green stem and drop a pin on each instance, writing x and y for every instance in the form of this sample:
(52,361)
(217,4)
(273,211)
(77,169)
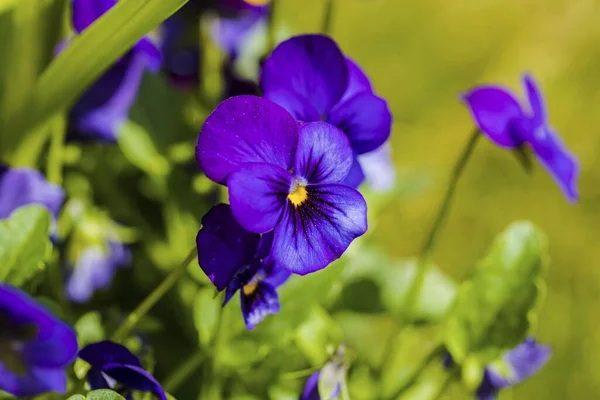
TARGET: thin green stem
(57,145)
(327,17)
(424,263)
(183,373)
(145,306)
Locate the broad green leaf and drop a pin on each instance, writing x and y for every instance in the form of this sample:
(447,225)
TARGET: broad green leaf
(24,244)
(316,333)
(495,308)
(104,394)
(77,397)
(206,311)
(89,328)
(139,149)
(80,64)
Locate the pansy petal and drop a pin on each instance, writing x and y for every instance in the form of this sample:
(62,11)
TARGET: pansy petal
(152,53)
(311,388)
(536,100)
(487,390)
(526,359)
(298,106)
(97,380)
(102,353)
(309,66)
(378,168)
(223,245)
(104,107)
(366,119)
(358,82)
(35,381)
(494,109)
(257,194)
(85,12)
(136,378)
(558,161)
(276,275)
(23,186)
(323,154)
(231,32)
(245,129)
(314,234)
(94,270)
(356,176)
(263,301)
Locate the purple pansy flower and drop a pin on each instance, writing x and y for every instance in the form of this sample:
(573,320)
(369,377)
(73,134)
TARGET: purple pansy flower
(235,259)
(517,365)
(310,77)
(115,367)
(23,186)
(104,107)
(284,177)
(35,346)
(509,124)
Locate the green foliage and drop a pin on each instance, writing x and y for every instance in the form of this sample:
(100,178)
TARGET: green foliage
(102,394)
(206,309)
(494,309)
(24,244)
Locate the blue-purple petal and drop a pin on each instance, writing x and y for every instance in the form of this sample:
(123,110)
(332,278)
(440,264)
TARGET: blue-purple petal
(495,110)
(35,381)
(526,359)
(85,12)
(314,234)
(323,154)
(105,353)
(365,119)
(536,101)
(263,301)
(356,176)
(311,67)
(301,108)
(257,194)
(151,52)
(135,378)
(358,82)
(378,168)
(231,32)
(224,246)
(245,129)
(311,388)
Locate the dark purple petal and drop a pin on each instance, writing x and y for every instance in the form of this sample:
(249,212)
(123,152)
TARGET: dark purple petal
(224,246)
(135,378)
(560,163)
(85,12)
(311,388)
(104,107)
(298,106)
(97,380)
(23,186)
(378,168)
(311,67)
(245,129)
(366,119)
(323,154)
(257,304)
(181,58)
(314,234)
(494,110)
(100,354)
(356,176)
(486,390)
(151,52)
(257,194)
(277,275)
(358,82)
(536,101)
(35,381)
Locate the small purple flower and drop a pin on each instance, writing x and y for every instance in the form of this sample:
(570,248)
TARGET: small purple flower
(114,364)
(311,389)
(517,365)
(509,124)
(181,52)
(310,77)
(35,346)
(104,107)
(24,186)
(235,259)
(284,177)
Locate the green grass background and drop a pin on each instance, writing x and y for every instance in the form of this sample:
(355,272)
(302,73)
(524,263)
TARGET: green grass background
(421,55)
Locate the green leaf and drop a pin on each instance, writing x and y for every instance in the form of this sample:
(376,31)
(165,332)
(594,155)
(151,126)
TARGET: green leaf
(139,149)
(77,397)
(24,244)
(206,311)
(316,333)
(104,394)
(82,63)
(495,308)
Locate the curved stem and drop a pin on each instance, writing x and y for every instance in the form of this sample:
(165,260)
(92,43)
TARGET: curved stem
(327,17)
(185,370)
(145,306)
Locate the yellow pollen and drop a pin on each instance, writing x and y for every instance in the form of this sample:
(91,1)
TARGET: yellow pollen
(250,288)
(298,195)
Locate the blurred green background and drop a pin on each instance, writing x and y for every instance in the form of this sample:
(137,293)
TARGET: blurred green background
(421,56)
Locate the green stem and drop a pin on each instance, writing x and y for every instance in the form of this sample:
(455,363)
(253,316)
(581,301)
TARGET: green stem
(145,306)
(271,35)
(183,373)
(56,156)
(327,17)
(424,262)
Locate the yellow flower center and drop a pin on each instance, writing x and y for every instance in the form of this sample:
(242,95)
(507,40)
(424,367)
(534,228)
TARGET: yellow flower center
(298,194)
(250,287)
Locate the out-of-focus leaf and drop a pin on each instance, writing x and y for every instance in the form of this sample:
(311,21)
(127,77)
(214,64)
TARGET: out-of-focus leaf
(495,308)
(139,149)
(24,244)
(317,333)
(89,328)
(80,64)
(430,384)
(206,311)
(241,353)
(104,394)
(77,397)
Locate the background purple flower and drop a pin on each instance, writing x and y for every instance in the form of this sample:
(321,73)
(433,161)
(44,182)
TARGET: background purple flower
(499,115)
(236,259)
(310,77)
(311,389)
(286,178)
(103,108)
(112,360)
(35,346)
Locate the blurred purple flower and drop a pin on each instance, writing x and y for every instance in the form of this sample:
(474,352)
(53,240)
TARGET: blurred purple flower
(35,346)
(103,108)
(310,77)
(286,177)
(24,186)
(181,52)
(510,125)
(235,259)
(520,363)
(311,389)
(113,363)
